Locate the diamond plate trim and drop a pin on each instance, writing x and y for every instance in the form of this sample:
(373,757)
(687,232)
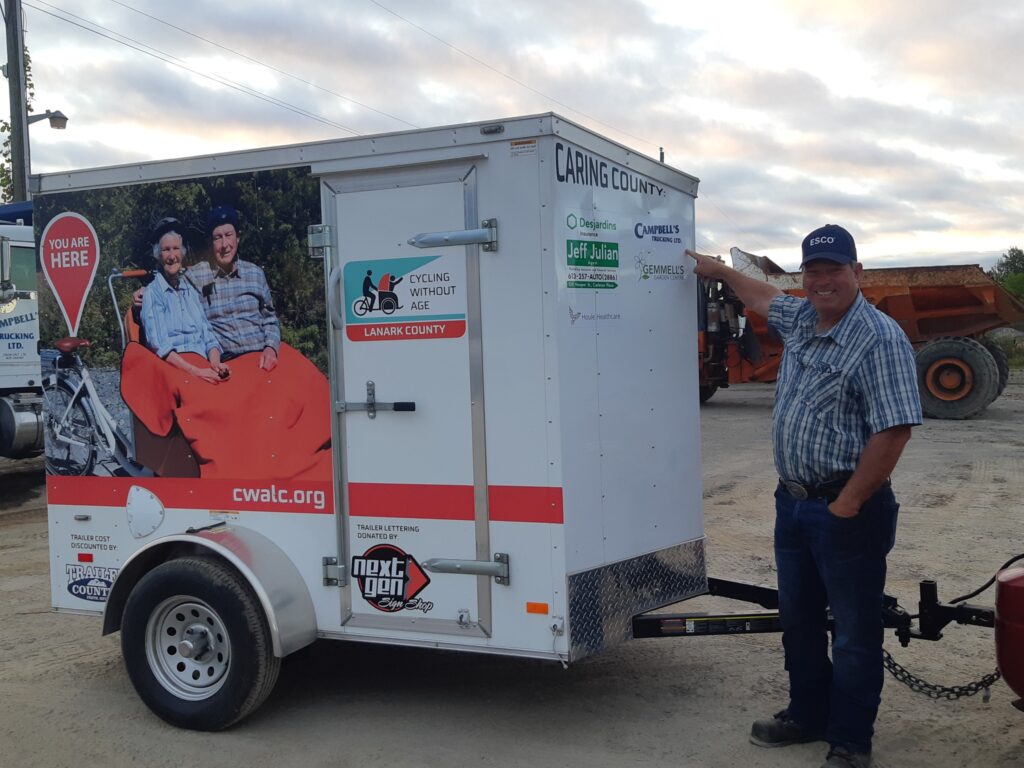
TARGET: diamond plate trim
(603,601)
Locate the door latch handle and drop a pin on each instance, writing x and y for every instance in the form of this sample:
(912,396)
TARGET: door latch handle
(371,406)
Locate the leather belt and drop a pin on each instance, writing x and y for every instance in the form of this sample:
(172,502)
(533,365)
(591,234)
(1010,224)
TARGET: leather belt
(828,490)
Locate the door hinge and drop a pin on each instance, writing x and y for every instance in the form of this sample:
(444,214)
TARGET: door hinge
(486,236)
(318,238)
(334,574)
(499,568)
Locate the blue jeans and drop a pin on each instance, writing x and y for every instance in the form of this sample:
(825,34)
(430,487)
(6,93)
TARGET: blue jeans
(824,560)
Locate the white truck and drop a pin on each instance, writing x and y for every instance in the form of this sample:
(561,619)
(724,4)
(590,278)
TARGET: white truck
(509,403)
(21,421)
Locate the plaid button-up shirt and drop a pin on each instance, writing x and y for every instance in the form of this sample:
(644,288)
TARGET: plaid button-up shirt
(239,307)
(838,388)
(174,320)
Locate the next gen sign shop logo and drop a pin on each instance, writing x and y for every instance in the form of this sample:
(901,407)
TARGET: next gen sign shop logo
(90,582)
(390,579)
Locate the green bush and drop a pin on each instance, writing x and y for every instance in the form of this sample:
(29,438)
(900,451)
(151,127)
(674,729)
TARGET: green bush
(1013,349)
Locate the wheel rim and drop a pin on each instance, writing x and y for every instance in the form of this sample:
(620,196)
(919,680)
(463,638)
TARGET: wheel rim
(949,379)
(188,648)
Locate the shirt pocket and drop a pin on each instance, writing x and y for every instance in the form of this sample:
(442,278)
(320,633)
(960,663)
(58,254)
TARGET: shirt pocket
(822,387)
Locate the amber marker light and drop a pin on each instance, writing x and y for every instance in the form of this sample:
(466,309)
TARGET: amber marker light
(541,608)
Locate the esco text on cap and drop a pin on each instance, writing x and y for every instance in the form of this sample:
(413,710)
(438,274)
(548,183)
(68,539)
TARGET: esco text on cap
(830,242)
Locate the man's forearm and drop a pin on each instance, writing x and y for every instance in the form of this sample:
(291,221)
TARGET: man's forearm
(756,294)
(879,459)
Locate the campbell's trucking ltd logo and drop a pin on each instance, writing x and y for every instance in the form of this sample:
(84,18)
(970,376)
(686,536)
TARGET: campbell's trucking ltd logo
(90,582)
(659,233)
(390,579)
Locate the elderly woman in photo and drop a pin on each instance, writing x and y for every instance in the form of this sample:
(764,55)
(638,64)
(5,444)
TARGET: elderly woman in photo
(172,312)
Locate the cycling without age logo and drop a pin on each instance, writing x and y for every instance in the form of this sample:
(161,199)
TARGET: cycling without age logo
(390,579)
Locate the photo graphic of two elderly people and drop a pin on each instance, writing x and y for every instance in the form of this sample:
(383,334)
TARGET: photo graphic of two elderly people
(205,358)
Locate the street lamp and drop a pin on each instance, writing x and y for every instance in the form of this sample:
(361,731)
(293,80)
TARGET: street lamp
(57,119)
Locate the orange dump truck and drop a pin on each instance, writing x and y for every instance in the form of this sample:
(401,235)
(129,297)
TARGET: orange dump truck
(945,311)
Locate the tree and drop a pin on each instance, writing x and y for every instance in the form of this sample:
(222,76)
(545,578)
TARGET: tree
(6,177)
(1010,263)
(1015,285)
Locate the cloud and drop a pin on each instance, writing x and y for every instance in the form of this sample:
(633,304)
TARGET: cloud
(914,144)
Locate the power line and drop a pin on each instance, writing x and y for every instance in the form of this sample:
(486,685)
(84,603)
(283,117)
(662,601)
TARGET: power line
(173,60)
(222,47)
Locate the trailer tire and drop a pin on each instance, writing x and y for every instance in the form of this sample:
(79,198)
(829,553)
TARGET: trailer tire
(957,378)
(1002,363)
(707,391)
(220,665)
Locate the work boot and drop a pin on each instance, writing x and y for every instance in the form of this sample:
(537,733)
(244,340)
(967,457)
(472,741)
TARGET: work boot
(781,731)
(841,757)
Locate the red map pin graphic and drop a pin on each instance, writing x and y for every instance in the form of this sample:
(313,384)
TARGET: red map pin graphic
(70,254)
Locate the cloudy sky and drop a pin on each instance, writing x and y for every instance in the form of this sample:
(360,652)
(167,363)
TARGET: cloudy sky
(900,120)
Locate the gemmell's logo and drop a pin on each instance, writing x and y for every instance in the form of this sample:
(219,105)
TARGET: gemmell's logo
(571,221)
(389,579)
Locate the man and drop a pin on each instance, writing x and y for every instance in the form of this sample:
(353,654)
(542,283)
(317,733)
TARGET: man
(235,293)
(846,400)
(368,290)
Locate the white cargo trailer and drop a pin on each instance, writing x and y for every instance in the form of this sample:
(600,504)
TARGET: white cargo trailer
(512,458)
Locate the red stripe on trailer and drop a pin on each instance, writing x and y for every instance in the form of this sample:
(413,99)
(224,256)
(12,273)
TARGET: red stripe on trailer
(525,504)
(507,503)
(191,493)
(409,500)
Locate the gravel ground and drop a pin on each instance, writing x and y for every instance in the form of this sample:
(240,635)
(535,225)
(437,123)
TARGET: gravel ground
(66,701)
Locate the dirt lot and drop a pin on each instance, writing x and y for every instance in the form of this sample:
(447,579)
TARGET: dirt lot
(65,700)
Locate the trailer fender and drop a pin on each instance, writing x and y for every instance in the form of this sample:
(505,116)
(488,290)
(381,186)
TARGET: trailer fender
(272,575)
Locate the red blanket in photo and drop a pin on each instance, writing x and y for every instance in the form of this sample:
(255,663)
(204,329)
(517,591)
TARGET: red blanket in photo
(256,424)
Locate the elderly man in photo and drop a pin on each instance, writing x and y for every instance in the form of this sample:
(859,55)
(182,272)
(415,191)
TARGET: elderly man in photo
(235,294)
(846,400)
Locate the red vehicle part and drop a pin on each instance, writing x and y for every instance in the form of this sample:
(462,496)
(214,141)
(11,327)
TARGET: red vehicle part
(945,312)
(1010,628)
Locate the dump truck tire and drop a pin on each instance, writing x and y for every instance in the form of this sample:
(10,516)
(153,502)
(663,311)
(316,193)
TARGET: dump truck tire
(1002,363)
(196,644)
(957,378)
(707,391)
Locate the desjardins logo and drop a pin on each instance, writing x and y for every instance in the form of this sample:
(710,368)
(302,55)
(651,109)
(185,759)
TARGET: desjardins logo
(572,221)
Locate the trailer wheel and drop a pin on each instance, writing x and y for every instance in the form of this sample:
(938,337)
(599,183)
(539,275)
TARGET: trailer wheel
(196,644)
(1002,363)
(706,391)
(957,378)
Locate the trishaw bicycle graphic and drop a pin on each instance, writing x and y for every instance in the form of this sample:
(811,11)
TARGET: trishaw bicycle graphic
(387,302)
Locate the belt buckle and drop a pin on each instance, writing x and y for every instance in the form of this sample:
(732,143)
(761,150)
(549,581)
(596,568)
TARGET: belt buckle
(795,490)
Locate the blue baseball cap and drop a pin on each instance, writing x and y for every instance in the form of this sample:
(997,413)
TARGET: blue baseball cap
(222,214)
(830,242)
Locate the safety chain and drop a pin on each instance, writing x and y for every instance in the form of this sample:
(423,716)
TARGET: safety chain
(932,691)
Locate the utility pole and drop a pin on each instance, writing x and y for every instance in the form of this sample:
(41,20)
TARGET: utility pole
(15,70)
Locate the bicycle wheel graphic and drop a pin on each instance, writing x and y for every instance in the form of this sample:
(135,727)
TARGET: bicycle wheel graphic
(360,306)
(70,432)
(388,305)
